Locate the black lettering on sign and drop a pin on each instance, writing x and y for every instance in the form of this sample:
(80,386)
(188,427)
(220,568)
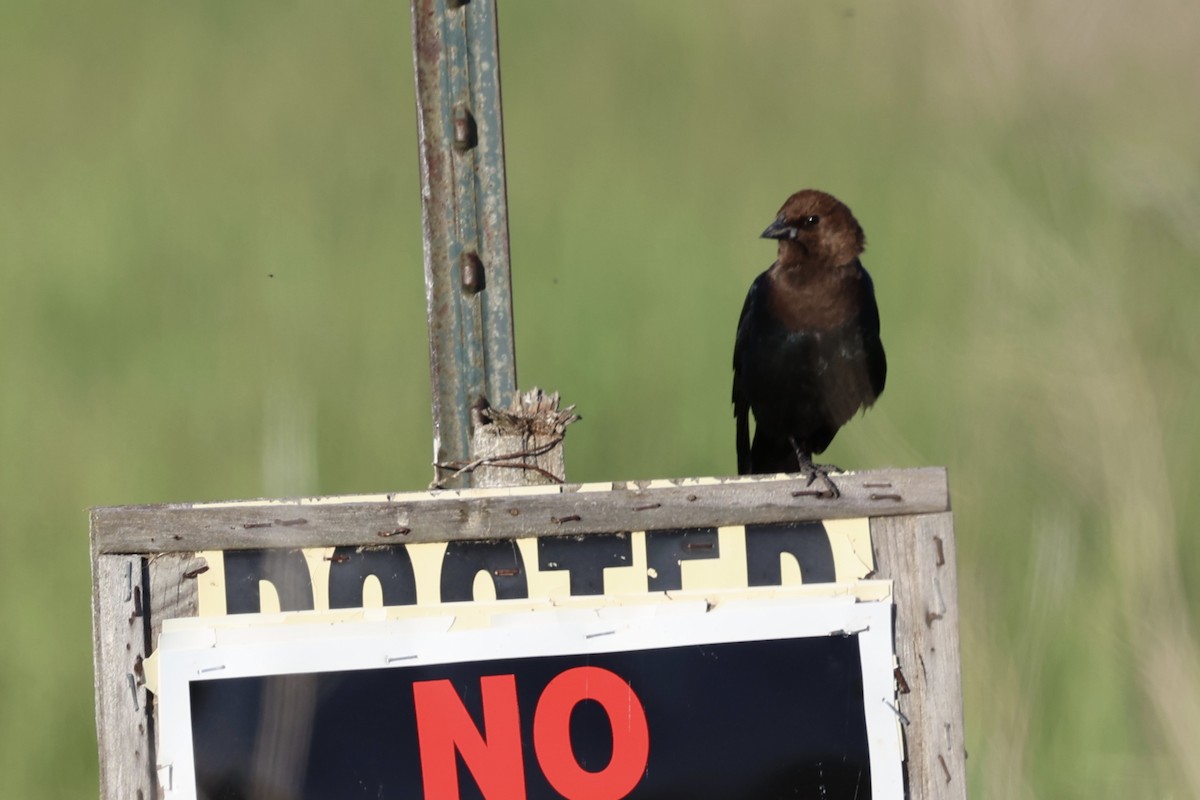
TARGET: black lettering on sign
(349,568)
(500,559)
(286,570)
(585,558)
(667,550)
(808,542)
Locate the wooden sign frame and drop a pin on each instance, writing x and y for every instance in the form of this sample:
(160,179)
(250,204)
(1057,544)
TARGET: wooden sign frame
(144,569)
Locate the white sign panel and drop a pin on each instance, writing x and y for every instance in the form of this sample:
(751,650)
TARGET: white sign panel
(746,693)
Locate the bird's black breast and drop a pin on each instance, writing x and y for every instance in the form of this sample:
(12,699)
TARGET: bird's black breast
(804,383)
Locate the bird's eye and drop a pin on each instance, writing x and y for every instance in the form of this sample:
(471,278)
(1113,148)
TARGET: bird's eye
(810,221)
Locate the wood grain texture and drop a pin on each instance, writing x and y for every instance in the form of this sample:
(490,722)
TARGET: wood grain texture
(521,445)
(566,510)
(917,553)
(173,591)
(123,724)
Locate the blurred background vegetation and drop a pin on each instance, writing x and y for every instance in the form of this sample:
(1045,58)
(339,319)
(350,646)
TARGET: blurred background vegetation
(211,288)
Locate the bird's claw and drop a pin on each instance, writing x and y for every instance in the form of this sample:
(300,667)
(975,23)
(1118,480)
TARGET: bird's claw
(821,471)
(813,471)
(831,491)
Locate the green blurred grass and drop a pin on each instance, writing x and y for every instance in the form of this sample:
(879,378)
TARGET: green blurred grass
(1026,173)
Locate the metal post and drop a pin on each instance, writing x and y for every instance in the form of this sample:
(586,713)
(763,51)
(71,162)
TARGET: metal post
(465,215)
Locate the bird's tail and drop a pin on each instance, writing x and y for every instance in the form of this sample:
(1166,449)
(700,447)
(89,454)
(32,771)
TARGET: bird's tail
(743,439)
(770,454)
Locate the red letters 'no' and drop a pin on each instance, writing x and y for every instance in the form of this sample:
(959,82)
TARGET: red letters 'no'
(494,756)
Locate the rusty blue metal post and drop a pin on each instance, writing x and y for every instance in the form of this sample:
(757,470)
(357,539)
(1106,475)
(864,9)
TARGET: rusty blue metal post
(465,215)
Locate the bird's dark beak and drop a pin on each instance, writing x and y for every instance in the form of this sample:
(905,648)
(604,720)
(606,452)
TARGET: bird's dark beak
(779,229)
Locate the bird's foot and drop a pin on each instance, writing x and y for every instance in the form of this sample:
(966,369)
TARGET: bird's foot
(815,472)
(821,472)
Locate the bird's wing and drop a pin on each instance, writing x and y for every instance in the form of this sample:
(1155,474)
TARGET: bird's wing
(741,403)
(872,345)
(741,412)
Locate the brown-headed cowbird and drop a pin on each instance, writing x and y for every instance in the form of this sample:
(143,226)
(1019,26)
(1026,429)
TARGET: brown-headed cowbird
(808,354)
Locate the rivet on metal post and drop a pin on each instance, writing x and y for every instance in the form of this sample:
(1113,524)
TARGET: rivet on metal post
(473,280)
(466,132)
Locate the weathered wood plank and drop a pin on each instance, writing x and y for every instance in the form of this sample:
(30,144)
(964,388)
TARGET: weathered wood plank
(566,510)
(918,554)
(119,633)
(173,591)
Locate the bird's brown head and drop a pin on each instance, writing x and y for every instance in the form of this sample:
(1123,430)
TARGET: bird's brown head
(815,227)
